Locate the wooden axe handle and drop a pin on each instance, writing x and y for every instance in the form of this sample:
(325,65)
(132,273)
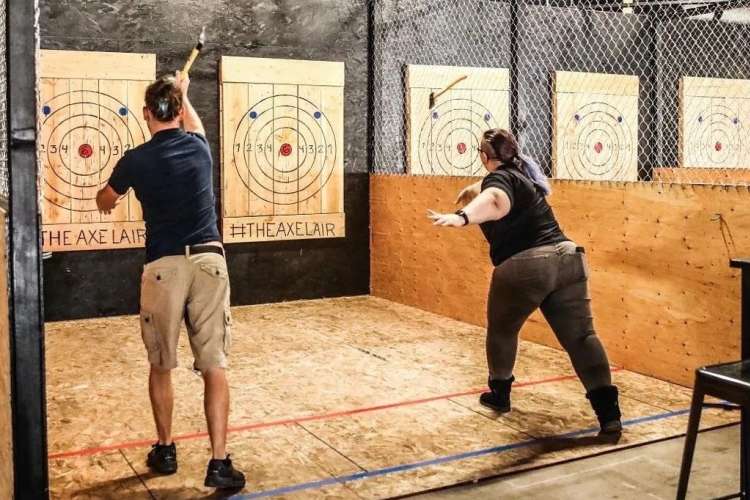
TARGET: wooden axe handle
(190,61)
(453,84)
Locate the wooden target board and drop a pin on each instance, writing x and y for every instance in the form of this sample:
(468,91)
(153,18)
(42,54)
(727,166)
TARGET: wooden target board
(282,138)
(90,114)
(714,119)
(595,126)
(444,140)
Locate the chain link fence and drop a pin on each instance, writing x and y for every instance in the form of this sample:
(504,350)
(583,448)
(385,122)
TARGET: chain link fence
(594,89)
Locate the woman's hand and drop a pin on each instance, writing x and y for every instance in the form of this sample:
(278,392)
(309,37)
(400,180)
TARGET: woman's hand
(451,220)
(468,193)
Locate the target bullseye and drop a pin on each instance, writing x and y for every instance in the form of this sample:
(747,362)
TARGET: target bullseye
(598,147)
(461,148)
(85,151)
(717,146)
(285,150)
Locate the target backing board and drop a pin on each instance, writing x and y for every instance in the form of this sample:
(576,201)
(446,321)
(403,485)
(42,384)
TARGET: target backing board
(595,126)
(714,123)
(282,135)
(444,140)
(90,114)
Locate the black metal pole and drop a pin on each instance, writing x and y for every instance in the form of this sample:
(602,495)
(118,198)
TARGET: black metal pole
(370,85)
(515,121)
(745,414)
(26,316)
(744,266)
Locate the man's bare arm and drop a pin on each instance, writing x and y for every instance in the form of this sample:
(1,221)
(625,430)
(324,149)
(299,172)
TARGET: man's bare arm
(191,122)
(106,199)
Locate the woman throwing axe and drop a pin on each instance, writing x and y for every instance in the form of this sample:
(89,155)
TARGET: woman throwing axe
(536,266)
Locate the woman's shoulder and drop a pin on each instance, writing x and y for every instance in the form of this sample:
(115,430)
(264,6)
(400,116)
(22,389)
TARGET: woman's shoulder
(500,176)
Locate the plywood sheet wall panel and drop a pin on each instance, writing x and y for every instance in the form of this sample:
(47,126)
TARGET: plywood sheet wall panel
(664,298)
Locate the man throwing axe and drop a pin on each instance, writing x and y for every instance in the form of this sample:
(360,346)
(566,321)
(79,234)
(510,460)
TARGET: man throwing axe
(185,276)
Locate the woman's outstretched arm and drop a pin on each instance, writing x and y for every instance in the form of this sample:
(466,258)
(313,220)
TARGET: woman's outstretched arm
(491,204)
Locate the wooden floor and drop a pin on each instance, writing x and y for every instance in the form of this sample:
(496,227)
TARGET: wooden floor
(343,398)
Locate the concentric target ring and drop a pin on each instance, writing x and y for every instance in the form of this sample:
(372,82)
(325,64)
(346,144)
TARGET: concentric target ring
(436,136)
(75,169)
(714,136)
(601,146)
(305,125)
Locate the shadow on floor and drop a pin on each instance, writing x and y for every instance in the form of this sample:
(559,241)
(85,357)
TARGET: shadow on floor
(542,446)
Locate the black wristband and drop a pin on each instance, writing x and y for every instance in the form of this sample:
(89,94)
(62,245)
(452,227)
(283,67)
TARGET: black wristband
(465,217)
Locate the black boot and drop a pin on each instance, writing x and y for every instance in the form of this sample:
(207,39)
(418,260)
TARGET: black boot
(604,402)
(162,458)
(498,398)
(221,474)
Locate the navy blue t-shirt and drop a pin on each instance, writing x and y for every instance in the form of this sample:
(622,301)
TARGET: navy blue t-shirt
(172,176)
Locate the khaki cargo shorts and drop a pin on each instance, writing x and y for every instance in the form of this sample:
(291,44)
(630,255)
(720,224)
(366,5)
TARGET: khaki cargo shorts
(194,289)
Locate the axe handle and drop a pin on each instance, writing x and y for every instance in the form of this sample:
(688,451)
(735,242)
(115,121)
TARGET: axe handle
(190,61)
(453,84)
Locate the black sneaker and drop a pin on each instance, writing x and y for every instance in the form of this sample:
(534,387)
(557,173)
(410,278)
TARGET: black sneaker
(162,458)
(221,474)
(498,398)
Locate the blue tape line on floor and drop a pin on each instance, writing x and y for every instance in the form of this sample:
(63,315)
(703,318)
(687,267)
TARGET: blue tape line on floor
(358,476)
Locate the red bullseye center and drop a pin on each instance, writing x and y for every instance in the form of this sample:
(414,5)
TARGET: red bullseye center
(461,148)
(717,146)
(598,147)
(286,149)
(85,150)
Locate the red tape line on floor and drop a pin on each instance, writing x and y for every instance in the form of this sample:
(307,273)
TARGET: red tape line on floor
(275,423)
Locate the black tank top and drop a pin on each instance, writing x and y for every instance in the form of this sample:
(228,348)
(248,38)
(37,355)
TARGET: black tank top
(530,222)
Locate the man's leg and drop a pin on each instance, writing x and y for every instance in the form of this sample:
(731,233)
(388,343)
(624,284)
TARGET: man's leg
(216,406)
(162,402)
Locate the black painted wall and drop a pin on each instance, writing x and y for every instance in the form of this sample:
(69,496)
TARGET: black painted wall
(90,284)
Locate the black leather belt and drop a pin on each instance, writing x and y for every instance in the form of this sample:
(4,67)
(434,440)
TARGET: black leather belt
(187,251)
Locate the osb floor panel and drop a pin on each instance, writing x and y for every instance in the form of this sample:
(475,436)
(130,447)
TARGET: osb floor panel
(342,398)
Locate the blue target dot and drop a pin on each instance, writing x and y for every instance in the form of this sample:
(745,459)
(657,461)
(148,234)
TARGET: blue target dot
(619,119)
(487,117)
(435,115)
(736,121)
(123,111)
(317,115)
(577,117)
(46,110)
(253,115)
(700,119)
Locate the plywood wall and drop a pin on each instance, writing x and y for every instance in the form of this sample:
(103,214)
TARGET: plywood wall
(6,447)
(664,298)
